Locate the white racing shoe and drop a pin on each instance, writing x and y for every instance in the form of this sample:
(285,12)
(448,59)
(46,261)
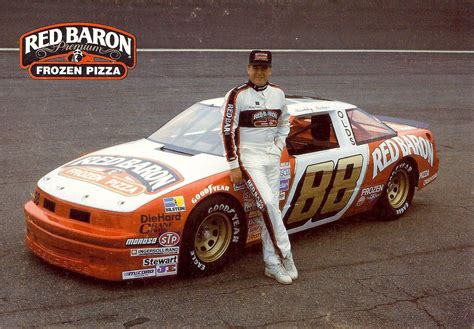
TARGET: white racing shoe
(278,272)
(290,267)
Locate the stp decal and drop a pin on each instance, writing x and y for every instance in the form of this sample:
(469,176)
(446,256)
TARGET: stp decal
(169,239)
(78,51)
(124,175)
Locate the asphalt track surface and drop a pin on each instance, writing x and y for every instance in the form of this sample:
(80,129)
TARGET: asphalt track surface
(414,272)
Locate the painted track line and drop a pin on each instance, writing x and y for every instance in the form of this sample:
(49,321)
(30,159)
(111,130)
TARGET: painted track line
(313,50)
(401,51)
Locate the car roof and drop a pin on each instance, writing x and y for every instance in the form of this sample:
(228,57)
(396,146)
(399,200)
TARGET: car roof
(299,105)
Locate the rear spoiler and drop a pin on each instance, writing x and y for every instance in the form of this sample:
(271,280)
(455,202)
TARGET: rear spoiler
(412,123)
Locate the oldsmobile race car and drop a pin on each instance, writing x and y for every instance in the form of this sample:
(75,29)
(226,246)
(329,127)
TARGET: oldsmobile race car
(165,204)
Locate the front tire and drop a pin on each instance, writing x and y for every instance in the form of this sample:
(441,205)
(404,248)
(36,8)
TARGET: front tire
(399,191)
(214,234)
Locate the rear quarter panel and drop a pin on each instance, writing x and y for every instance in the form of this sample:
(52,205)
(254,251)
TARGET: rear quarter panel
(415,144)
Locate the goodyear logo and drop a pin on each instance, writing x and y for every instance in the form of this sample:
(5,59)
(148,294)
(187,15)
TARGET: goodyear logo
(174,204)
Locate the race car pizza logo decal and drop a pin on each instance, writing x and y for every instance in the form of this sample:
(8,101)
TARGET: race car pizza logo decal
(78,51)
(125,175)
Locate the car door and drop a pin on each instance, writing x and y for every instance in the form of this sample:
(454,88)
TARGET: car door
(329,169)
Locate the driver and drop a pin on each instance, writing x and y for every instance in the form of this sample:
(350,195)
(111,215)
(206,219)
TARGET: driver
(254,128)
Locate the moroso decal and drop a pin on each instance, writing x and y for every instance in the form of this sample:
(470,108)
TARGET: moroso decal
(140,241)
(125,175)
(389,151)
(79,51)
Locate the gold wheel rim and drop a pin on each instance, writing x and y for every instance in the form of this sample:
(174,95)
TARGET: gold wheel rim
(397,189)
(213,237)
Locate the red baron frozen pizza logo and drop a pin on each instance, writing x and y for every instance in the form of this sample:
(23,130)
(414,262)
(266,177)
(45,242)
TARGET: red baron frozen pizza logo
(72,51)
(128,176)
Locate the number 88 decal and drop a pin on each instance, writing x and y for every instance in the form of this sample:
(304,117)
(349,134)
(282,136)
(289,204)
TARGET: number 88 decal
(324,190)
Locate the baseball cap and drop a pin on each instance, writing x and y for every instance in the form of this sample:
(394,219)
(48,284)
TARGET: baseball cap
(260,57)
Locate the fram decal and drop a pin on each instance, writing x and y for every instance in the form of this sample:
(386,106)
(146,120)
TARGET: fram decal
(125,175)
(389,151)
(78,51)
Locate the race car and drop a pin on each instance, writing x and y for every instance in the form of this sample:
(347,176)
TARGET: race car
(165,205)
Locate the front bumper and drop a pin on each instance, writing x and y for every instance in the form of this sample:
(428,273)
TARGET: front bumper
(94,252)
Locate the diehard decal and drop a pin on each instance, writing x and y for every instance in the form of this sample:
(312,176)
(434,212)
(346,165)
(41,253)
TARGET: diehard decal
(158,223)
(125,175)
(78,51)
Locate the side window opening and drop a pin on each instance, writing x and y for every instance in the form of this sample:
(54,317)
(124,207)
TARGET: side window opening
(311,134)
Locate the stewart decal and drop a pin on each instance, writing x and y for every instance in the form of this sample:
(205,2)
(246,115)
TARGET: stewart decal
(388,152)
(79,51)
(128,176)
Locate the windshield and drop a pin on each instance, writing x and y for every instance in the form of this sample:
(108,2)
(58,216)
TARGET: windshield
(195,130)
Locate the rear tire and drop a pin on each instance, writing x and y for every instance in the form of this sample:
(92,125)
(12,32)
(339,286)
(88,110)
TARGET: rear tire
(214,234)
(399,191)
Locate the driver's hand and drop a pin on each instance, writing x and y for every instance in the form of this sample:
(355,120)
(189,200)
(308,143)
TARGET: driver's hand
(236,175)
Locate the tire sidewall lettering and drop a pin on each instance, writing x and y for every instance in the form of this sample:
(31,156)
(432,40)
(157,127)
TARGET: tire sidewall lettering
(221,206)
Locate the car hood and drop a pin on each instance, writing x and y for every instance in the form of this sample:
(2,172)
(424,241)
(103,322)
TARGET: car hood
(125,177)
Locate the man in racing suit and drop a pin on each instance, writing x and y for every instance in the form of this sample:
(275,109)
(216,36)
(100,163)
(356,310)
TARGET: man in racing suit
(254,128)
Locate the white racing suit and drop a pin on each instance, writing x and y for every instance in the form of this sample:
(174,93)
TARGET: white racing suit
(254,128)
